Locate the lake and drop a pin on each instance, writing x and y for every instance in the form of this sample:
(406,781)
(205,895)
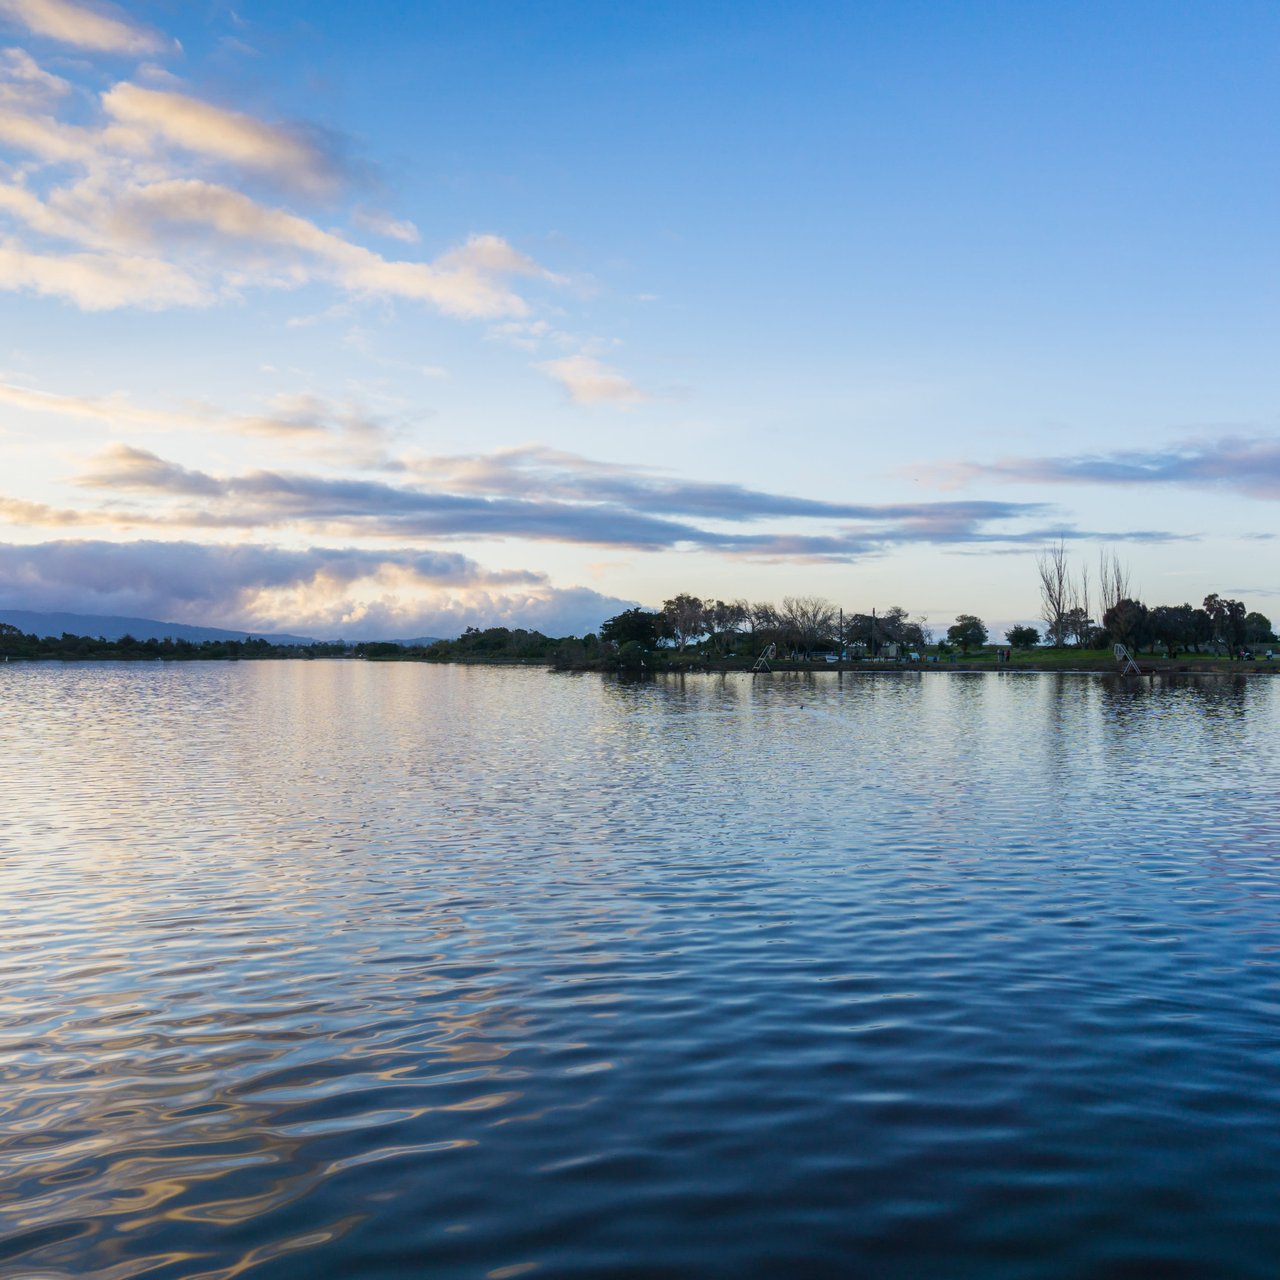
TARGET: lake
(372,970)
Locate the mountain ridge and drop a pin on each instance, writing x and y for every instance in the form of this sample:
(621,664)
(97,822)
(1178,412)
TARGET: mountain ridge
(114,626)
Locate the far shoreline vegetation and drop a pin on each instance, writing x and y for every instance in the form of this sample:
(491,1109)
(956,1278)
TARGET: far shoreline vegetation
(805,633)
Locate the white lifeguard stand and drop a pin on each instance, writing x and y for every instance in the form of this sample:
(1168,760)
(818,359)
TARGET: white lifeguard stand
(762,662)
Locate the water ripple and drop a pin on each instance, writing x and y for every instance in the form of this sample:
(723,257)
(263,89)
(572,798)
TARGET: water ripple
(369,970)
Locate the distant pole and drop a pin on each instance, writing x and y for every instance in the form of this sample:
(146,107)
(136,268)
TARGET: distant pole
(840,636)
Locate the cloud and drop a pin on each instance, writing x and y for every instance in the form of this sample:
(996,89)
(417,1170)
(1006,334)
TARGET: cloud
(343,432)
(184,241)
(142,208)
(383,224)
(1238,464)
(23,83)
(323,590)
(599,506)
(17,511)
(94,29)
(110,408)
(535,469)
(99,281)
(588,381)
(124,467)
(207,130)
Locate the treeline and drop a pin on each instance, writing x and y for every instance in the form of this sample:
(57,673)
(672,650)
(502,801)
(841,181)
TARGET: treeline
(497,645)
(808,627)
(1068,598)
(802,627)
(14,643)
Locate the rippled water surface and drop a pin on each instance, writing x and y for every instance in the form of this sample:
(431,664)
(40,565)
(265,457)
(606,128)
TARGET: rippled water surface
(356,970)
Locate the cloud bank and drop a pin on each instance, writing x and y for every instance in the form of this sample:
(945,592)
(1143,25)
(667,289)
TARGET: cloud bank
(356,593)
(534,494)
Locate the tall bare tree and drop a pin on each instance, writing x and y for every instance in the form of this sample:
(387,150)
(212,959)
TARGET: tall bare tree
(1113,579)
(1055,591)
(1081,614)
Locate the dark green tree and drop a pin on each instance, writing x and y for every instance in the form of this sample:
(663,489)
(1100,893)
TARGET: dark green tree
(1022,637)
(1227,617)
(1128,622)
(968,632)
(633,626)
(1257,629)
(1173,625)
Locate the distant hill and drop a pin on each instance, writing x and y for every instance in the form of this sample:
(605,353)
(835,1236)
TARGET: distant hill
(419,640)
(112,628)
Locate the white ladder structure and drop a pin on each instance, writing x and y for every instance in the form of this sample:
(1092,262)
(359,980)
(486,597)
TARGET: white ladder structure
(1129,667)
(762,662)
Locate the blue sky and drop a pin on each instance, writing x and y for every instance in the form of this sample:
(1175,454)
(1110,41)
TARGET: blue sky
(391,319)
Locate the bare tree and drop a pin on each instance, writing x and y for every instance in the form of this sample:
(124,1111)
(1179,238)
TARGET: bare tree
(1082,621)
(1113,579)
(1055,591)
(808,620)
(762,616)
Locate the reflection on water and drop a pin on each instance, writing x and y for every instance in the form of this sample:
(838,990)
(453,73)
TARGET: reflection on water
(372,970)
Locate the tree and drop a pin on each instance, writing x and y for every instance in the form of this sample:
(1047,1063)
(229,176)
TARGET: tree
(638,626)
(1128,623)
(724,620)
(808,621)
(1257,629)
(1227,619)
(684,619)
(1113,581)
(1080,625)
(893,624)
(1055,592)
(763,618)
(1022,637)
(1172,625)
(967,633)
(859,630)
(1201,628)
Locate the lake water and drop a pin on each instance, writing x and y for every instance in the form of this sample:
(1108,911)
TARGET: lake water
(358,970)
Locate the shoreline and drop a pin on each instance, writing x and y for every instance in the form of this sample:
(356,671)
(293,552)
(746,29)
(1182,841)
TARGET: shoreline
(1159,667)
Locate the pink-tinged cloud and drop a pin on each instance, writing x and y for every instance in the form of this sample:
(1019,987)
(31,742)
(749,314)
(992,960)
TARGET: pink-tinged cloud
(95,28)
(588,381)
(199,127)
(515,498)
(327,591)
(1248,465)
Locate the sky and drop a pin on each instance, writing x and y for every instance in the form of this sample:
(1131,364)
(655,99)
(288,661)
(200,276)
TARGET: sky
(384,320)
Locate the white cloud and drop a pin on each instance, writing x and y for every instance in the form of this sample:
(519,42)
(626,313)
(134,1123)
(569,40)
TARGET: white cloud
(201,239)
(98,282)
(343,433)
(86,28)
(137,227)
(383,224)
(588,381)
(23,81)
